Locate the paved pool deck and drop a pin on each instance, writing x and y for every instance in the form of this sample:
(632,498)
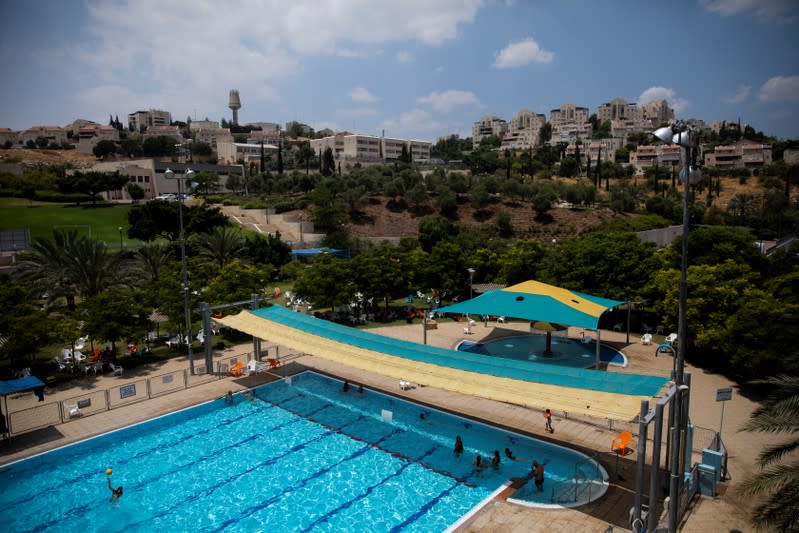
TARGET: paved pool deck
(728,512)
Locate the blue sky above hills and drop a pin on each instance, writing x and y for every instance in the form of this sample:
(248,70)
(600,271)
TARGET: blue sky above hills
(416,69)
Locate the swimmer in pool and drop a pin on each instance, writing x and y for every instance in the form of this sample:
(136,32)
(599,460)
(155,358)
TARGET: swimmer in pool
(115,492)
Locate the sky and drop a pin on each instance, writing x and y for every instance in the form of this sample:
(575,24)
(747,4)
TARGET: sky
(413,69)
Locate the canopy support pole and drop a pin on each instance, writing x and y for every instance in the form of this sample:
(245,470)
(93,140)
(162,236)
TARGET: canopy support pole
(596,364)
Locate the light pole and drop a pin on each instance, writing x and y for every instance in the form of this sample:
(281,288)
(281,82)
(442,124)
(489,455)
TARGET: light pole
(687,138)
(120,238)
(189,174)
(471,284)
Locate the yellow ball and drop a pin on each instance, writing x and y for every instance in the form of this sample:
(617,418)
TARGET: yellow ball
(108,471)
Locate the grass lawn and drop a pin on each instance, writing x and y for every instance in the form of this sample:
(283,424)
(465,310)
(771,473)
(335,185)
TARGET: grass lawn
(41,218)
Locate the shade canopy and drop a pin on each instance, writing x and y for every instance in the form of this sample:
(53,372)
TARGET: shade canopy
(533,300)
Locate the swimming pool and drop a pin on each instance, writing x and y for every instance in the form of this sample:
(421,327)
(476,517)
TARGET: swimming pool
(303,456)
(565,352)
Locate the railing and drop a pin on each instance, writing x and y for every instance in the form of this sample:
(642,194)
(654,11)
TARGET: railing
(127,393)
(582,485)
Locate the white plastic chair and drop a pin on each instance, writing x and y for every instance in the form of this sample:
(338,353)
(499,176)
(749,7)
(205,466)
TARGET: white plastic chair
(72,410)
(501,320)
(116,369)
(467,330)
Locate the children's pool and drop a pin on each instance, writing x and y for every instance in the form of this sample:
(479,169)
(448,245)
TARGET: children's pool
(563,351)
(302,456)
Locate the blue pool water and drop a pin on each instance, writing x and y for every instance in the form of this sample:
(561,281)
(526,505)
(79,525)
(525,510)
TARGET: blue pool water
(565,352)
(303,456)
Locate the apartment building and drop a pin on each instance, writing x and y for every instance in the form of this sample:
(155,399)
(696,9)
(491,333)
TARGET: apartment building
(487,126)
(568,114)
(658,112)
(743,154)
(232,153)
(271,136)
(618,109)
(197,125)
(602,150)
(523,131)
(213,136)
(91,133)
(141,120)
(621,128)
(569,132)
(370,148)
(8,136)
(648,155)
(163,131)
(53,134)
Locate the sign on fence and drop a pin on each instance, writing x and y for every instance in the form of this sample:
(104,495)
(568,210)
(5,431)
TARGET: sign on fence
(126,391)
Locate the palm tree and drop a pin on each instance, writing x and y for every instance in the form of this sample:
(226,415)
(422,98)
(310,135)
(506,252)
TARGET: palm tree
(221,246)
(69,266)
(152,258)
(44,267)
(777,480)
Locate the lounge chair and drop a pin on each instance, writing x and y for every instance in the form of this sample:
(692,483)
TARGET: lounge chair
(671,338)
(116,369)
(618,326)
(620,443)
(273,363)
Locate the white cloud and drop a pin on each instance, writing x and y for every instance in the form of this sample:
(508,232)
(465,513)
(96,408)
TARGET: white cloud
(168,47)
(359,94)
(521,54)
(740,96)
(416,121)
(663,93)
(403,57)
(780,89)
(782,11)
(445,101)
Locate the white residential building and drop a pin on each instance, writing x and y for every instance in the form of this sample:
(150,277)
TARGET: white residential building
(242,153)
(487,126)
(370,148)
(139,120)
(523,130)
(213,135)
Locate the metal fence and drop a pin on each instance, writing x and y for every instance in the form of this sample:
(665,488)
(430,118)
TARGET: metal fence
(128,393)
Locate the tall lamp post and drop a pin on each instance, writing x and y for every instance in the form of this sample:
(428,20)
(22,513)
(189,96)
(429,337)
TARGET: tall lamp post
(188,175)
(471,284)
(687,138)
(120,238)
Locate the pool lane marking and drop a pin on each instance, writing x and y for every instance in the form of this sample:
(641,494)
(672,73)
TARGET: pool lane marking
(298,485)
(92,474)
(333,512)
(272,460)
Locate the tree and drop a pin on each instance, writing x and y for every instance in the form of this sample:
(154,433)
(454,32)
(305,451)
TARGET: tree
(378,273)
(280,158)
(91,183)
(263,249)
(159,146)
(201,148)
(778,479)
(132,146)
(152,258)
(160,219)
(135,191)
(104,148)
(324,283)
(207,182)
(328,164)
(22,323)
(221,246)
(237,281)
(116,314)
(433,229)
